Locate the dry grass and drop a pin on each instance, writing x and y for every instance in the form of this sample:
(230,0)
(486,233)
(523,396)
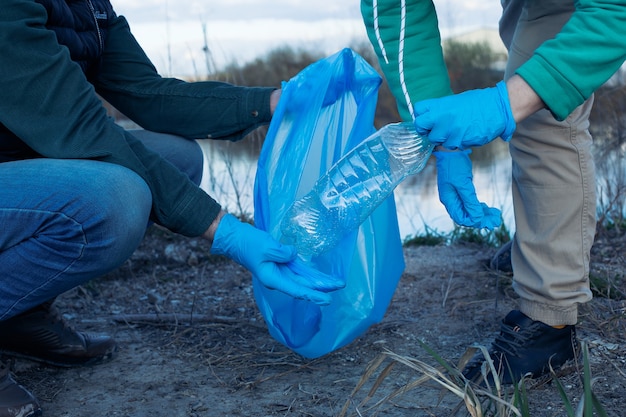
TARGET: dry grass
(473,400)
(447,378)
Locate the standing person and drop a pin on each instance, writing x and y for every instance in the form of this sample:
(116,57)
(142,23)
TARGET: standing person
(77,191)
(560,52)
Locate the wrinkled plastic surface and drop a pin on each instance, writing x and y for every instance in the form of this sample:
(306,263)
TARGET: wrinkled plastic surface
(324,112)
(354,187)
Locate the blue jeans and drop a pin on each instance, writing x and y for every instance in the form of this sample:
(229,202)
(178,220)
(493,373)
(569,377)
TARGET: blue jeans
(64,222)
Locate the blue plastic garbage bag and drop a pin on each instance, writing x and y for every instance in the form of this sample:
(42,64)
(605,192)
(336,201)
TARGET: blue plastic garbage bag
(324,112)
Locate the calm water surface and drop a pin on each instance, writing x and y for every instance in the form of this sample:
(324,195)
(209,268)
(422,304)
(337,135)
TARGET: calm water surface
(230,170)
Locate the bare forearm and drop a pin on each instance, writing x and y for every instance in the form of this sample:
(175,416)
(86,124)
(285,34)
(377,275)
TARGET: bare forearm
(274,99)
(210,232)
(523,99)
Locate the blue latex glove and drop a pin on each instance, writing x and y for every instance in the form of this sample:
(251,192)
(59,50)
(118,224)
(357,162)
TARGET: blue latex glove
(472,118)
(274,264)
(457,192)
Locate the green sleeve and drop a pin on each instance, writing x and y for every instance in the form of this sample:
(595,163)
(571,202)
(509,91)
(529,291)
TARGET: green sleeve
(567,69)
(410,55)
(46,101)
(128,80)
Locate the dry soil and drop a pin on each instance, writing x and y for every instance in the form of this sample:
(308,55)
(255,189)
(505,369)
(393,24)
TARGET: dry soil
(192,342)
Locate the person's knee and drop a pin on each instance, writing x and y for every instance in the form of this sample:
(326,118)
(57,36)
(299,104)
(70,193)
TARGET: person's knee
(184,154)
(111,206)
(78,220)
(122,203)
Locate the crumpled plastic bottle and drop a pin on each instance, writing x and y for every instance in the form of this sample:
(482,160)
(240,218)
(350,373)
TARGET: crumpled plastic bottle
(354,187)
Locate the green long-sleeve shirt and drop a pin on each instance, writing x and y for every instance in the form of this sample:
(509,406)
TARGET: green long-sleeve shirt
(563,71)
(566,70)
(48,103)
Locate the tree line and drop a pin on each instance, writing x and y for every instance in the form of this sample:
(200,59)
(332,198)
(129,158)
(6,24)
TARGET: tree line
(469,65)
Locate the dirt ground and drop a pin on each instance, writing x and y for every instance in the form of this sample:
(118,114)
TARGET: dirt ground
(199,346)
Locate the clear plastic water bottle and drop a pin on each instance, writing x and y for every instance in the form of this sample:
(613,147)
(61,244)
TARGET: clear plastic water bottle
(354,187)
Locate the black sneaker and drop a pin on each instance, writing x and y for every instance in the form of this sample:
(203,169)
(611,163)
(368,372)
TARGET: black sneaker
(42,335)
(526,348)
(501,261)
(15,400)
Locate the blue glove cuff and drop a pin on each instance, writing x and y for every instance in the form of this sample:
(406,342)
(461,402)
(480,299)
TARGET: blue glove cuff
(509,120)
(221,239)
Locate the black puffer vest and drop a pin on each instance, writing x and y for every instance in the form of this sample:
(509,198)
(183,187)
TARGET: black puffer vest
(81,26)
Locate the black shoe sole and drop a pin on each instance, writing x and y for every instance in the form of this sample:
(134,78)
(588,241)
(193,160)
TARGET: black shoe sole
(569,367)
(59,363)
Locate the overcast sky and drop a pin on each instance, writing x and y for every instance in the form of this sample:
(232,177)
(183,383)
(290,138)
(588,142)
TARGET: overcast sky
(172,31)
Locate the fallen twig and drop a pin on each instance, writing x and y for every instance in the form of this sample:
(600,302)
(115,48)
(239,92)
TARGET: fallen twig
(170,318)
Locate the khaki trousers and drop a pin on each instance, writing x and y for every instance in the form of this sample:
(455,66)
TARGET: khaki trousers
(553,183)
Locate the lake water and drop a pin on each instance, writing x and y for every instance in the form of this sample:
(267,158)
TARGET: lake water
(230,170)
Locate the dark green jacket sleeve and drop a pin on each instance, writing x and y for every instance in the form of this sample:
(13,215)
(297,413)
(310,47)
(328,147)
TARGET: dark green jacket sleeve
(566,70)
(408,45)
(47,102)
(128,80)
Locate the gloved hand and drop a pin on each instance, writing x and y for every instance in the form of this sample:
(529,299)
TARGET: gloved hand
(274,264)
(472,118)
(457,193)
